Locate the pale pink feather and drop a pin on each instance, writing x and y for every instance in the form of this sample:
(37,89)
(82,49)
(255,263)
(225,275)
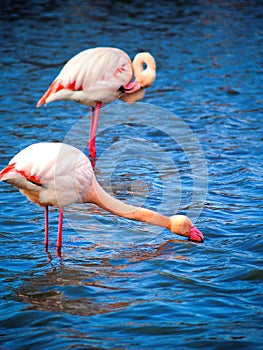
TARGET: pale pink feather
(92,75)
(62,172)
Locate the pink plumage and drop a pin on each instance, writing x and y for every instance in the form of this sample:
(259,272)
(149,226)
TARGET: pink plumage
(98,76)
(61,172)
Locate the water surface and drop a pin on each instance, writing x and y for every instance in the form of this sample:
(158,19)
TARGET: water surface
(193,146)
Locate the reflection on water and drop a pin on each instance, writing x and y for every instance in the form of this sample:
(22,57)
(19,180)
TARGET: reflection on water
(81,292)
(194,145)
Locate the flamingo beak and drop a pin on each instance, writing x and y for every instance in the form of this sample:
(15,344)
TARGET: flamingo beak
(195,235)
(132,87)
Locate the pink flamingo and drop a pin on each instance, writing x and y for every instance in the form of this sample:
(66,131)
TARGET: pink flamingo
(99,76)
(56,174)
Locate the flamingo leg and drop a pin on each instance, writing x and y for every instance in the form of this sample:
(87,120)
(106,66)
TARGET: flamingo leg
(59,238)
(46,228)
(93,129)
(91,122)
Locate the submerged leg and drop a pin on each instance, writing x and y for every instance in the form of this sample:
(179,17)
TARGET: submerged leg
(59,238)
(46,228)
(93,129)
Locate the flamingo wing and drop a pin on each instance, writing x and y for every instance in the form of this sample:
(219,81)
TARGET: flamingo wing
(10,173)
(94,75)
(50,174)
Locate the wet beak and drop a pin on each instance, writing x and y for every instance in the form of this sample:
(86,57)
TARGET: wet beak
(195,235)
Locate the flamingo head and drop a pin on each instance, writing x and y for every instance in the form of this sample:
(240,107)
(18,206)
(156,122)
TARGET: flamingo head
(183,226)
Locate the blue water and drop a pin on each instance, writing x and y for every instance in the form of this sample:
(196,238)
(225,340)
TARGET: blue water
(193,146)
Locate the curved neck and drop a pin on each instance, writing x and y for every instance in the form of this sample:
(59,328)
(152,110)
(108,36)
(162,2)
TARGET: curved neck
(144,76)
(98,196)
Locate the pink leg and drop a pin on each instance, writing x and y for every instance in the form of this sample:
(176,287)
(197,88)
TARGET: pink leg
(90,145)
(91,121)
(60,223)
(93,130)
(46,228)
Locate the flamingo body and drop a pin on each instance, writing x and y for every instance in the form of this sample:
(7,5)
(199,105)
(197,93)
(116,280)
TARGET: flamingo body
(94,75)
(98,76)
(56,174)
(50,174)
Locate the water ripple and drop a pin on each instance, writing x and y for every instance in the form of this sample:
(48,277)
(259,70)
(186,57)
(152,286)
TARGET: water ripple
(120,284)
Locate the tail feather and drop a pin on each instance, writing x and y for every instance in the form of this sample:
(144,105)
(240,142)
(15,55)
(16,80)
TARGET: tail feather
(10,172)
(7,172)
(54,87)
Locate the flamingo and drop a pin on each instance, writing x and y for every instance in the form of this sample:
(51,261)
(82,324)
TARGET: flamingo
(57,174)
(98,76)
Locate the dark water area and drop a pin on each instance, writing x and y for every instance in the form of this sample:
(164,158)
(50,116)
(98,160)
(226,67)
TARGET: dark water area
(192,146)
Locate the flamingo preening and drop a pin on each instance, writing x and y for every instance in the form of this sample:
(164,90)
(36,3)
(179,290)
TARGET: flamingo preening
(57,174)
(98,76)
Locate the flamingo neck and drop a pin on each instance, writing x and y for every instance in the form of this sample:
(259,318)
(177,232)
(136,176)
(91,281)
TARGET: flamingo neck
(144,76)
(101,198)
